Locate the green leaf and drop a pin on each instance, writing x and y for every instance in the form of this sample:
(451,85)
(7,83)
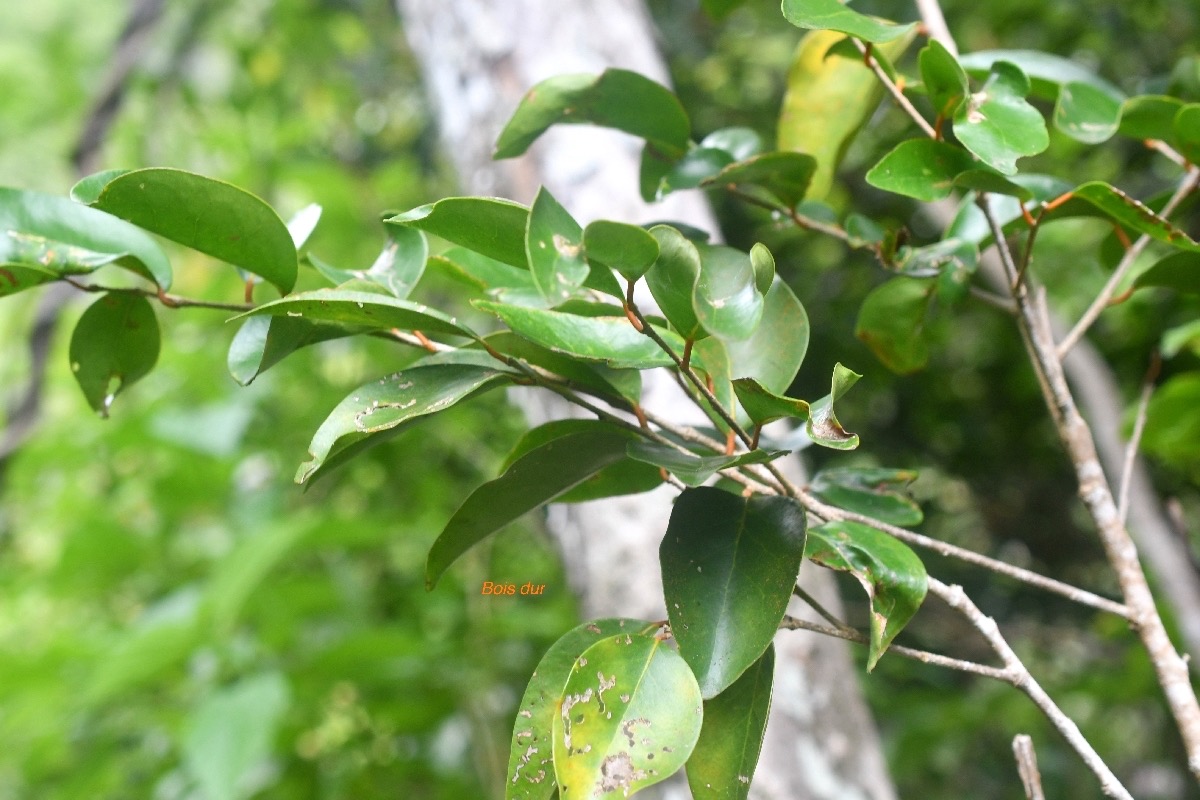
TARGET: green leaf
(629,717)
(731,738)
(773,354)
(502,282)
(364,309)
(262,342)
(87,189)
(1149,117)
(397,268)
(879,493)
(764,267)
(832,15)
(382,409)
(615,98)
(231,733)
(998,124)
(1175,340)
(538,477)
(672,280)
(694,169)
(945,81)
(891,322)
(618,383)
(628,249)
(828,100)
(1046,72)
(1186,129)
(207,215)
(693,470)
(16,278)
(628,476)
(892,575)
(785,176)
(491,227)
(1178,271)
(611,340)
(729,564)
(823,426)
(61,222)
(531,754)
(921,168)
(1086,114)
(726,298)
(302,224)
(554,246)
(1130,213)
(115,343)
(763,405)
(740,143)
(1172,426)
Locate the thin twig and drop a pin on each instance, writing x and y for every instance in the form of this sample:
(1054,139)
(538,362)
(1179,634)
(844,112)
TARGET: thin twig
(895,90)
(169,300)
(825,613)
(1027,767)
(1189,183)
(1019,676)
(791,623)
(1139,425)
(994,300)
(1073,593)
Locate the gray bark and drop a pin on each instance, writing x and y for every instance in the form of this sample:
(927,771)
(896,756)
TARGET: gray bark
(478,58)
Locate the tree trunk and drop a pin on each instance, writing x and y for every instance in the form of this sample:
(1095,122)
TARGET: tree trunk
(478,59)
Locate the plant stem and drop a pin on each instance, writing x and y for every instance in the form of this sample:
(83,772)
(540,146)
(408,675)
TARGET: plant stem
(169,300)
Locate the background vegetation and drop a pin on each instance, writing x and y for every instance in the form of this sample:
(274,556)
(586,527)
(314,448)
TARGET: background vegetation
(162,576)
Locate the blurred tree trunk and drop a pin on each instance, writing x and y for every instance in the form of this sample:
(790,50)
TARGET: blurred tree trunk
(478,59)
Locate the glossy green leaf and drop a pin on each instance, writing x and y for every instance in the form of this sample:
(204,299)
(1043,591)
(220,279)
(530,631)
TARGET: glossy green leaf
(890,573)
(629,717)
(735,721)
(891,322)
(696,167)
(878,493)
(115,343)
(694,470)
(1130,213)
(763,405)
(263,342)
(603,380)
(381,409)
(531,753)
(615,98)
(672,280)
(87,189)
(1186,129)
(823,426)
(1087,114)
(554,247)
(491,227)
(763,263)
(729,564)
(832,15)
(1046,72)
(231,733)
(828,100)
(1149,117)
(1178,271)
(628,249)
(62,223)
(785,176)
(628,476)
(364,309)
(211,216)
(501,282)
(1179,338)
(726,298)
(741,143)
(921,168)
(611,340)
(945,81)
(540,476)
(998,124)
(396,269)
(773,354)
(1172,430)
